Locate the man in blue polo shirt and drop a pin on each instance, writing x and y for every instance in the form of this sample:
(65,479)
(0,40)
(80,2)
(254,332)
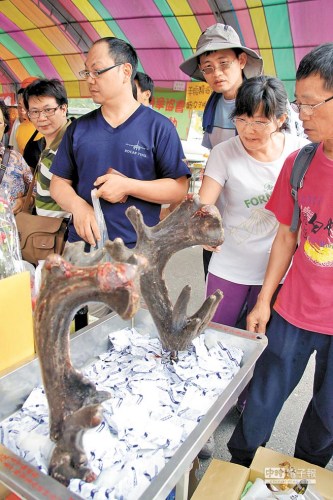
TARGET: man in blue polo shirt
(133,139)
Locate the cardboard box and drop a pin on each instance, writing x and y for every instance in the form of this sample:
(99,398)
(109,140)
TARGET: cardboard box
(224,480)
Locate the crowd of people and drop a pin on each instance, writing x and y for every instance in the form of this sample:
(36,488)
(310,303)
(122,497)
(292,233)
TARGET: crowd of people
(132,155)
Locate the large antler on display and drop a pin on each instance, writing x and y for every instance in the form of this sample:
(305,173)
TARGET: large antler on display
(74,402)
(192,223)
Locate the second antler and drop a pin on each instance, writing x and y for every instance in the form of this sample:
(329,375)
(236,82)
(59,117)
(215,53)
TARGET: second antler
(192,223)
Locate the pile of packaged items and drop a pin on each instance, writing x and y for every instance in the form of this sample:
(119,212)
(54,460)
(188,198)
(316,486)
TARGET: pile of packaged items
(155,404)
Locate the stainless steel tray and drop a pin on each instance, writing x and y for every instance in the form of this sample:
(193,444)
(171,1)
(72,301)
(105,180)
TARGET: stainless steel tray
(86,345)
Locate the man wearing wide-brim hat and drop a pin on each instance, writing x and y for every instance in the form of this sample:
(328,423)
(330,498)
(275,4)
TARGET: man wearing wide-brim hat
(223,62)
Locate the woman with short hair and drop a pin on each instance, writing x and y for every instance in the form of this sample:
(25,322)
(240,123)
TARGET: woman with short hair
(245,169)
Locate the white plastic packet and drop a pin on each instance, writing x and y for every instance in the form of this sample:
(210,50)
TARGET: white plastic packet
(258,491)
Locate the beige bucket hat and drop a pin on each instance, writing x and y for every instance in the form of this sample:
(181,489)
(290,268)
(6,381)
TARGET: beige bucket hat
(219,37)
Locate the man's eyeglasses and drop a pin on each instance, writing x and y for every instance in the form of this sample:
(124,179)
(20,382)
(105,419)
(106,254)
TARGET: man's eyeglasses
(222,66)
(307,109)
(35,113)
(97,73)
(240,122)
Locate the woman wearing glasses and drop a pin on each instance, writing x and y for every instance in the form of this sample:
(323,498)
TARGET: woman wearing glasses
(245,169)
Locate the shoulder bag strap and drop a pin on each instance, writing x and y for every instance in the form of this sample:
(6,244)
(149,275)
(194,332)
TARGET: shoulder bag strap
(33,135)
(28,197)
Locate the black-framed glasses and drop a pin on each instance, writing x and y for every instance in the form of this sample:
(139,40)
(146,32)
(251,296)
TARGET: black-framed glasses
(97,73)
(222,66)
(307,109)
(256,125)
(35,113)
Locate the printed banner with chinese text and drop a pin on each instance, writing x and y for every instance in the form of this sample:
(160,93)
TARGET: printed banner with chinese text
(172,105)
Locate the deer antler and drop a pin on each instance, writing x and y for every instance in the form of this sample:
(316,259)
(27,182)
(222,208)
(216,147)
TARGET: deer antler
(74,402)
(192,223)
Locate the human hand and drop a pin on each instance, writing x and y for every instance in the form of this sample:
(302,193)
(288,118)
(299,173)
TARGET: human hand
(165,211)
(85,222)
(112,186)
(19,202)
(258,318)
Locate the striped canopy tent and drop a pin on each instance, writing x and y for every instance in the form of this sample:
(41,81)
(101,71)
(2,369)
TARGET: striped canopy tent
(50,38)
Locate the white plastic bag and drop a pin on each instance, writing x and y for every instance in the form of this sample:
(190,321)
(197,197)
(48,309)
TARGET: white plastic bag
(10,251)
(38,276)
(100,220)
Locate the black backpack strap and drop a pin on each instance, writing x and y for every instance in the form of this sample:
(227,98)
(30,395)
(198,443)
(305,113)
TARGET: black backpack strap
(4,162)
(33,135)
(300,167)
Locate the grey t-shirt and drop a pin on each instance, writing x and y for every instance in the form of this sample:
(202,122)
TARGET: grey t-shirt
(223,127)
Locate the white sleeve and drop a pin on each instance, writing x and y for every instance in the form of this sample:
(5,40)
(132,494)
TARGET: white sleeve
(217,164)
